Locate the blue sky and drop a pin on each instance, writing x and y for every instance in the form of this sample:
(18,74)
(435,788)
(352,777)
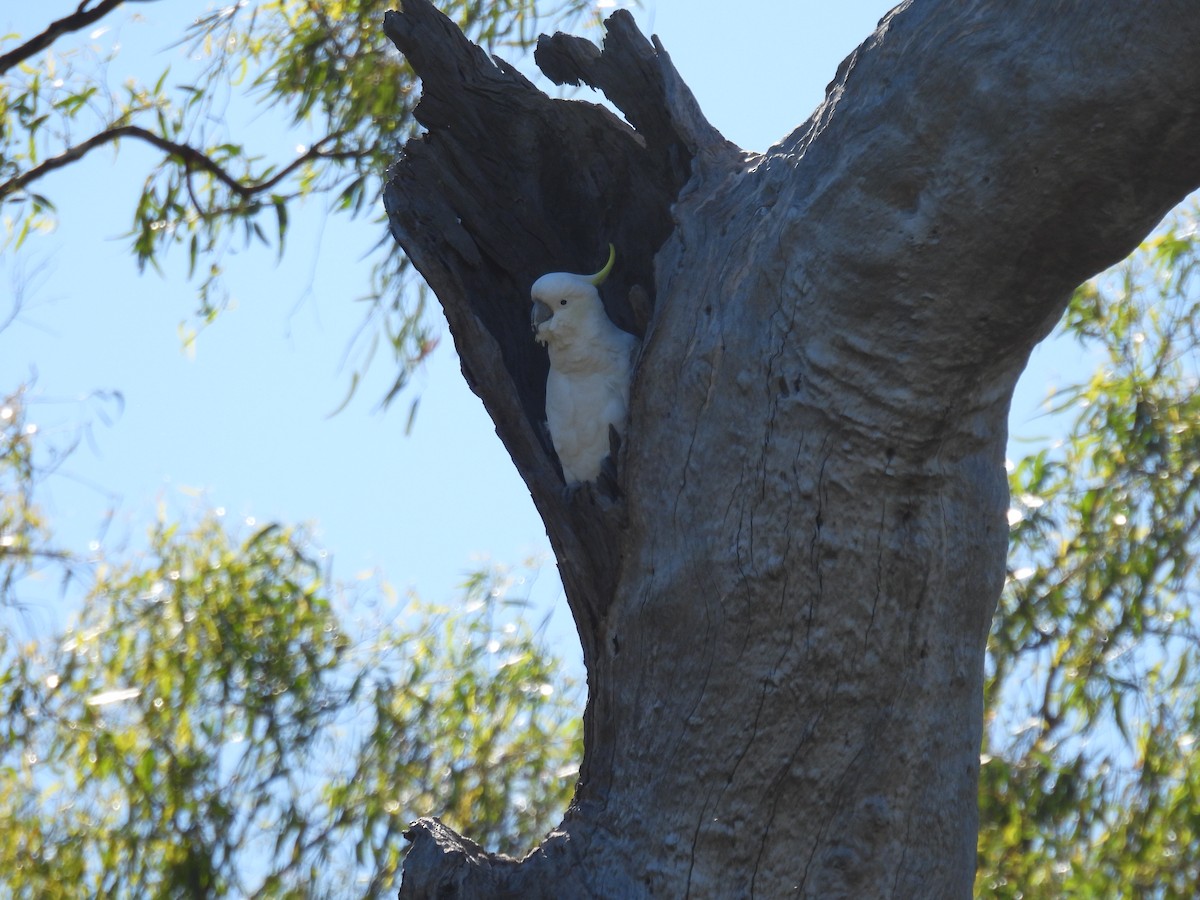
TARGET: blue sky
(243,422)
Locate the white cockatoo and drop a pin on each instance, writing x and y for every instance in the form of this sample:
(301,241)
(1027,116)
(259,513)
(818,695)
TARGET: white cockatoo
(591,364)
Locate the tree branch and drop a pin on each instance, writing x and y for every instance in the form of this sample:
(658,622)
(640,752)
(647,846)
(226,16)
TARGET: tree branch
(597,181)
(81,18)
(443,863)
(813,484)
(1066,138)
(193,160)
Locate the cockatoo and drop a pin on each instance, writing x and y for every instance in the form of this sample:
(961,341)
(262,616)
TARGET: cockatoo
(591,364)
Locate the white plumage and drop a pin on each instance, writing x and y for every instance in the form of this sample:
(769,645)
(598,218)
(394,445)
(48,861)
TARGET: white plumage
(591,364)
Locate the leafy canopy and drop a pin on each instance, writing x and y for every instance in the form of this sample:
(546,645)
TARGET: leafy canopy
(223,720)
(331,105)
(223,687)
(1091,782)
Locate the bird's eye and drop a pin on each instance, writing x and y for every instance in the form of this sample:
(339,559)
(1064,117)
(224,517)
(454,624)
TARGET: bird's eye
(562,302)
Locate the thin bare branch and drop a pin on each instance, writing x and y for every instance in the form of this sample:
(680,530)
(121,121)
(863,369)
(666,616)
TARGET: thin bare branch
(81,18)
(192,159)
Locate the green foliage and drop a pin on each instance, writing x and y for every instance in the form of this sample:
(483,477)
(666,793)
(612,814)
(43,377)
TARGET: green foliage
(209,728)
(1091,783)
(224,721)
(334,103)
(25,540)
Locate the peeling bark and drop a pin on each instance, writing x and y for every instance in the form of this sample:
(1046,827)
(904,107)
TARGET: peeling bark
(783,597)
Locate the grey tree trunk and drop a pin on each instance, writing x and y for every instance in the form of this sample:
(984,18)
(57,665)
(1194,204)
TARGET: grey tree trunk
(783,598)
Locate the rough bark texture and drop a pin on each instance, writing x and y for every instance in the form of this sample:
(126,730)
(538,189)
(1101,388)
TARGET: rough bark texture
(784,597)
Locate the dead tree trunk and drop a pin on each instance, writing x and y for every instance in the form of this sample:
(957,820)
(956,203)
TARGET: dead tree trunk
(783,603)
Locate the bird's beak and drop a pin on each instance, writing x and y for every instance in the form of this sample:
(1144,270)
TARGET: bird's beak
(541,313)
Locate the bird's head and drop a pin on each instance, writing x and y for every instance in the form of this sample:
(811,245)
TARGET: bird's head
(562,301)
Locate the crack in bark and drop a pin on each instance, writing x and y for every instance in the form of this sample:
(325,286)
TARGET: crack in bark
(908,824)
(834,809)
(767,684)
(900,692)
(814,562)
(686,721)
(808,731)
(743,577)
(878,574)
(695,841)
(687,458)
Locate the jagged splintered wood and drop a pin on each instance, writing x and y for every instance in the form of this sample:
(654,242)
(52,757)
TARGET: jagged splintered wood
(509,184)
(783,599)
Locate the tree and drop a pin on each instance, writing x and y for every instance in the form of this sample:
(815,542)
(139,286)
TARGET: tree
(1090,785)
(225,720)
(223,688)
(784,598)
(1093,793)
(212,189)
